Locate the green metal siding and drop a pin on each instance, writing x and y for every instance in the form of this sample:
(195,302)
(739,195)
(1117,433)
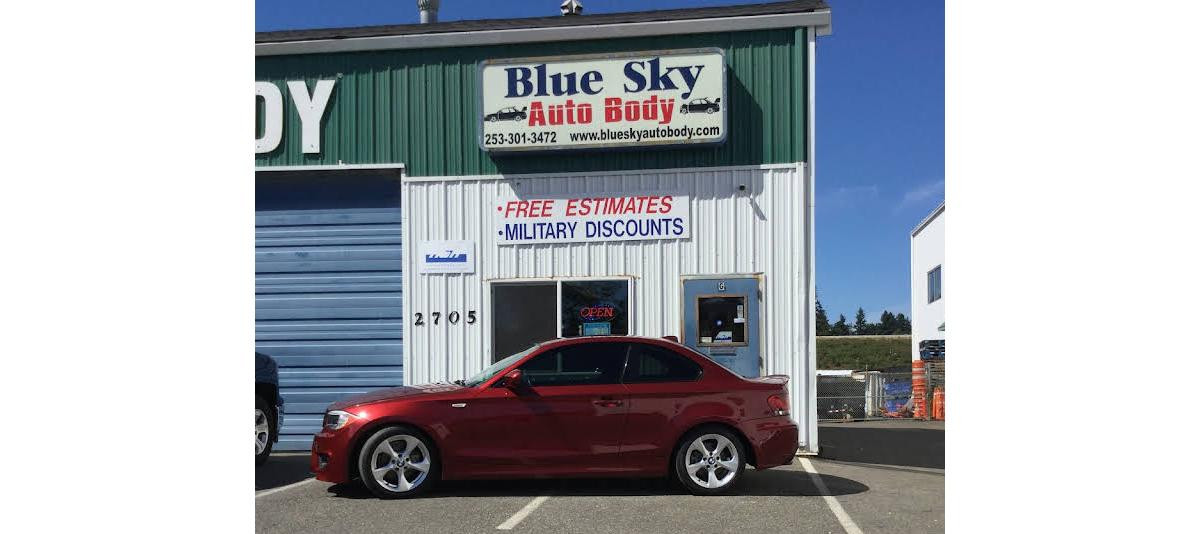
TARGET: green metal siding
(420,107)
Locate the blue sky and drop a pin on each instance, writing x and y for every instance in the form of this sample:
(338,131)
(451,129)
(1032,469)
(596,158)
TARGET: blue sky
(880,123)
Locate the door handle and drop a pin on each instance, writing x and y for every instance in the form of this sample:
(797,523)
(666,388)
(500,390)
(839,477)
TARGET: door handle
(607,403)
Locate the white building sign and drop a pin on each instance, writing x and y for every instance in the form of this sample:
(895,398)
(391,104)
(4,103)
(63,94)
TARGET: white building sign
(592,219)
(309,106)
(642,99)
(447,257)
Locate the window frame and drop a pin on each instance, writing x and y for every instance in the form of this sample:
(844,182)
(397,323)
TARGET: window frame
(929,287)
(487,319)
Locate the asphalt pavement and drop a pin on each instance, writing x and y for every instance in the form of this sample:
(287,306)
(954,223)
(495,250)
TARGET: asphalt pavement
(844,494)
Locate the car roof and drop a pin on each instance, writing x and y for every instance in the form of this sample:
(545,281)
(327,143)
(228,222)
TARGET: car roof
(605,339)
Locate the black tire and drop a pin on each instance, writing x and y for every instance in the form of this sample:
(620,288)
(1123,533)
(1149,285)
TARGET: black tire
(711,111)
(268,412)
(681,459)
(367,462)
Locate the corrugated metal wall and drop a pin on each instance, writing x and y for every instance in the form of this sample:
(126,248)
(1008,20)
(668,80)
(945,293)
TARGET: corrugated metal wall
(328,282)
(420,107)
(764,229)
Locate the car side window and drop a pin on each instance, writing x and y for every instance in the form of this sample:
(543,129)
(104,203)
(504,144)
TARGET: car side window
(650,363)
(577,365)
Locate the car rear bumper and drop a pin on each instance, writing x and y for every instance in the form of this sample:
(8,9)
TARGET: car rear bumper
(775,440)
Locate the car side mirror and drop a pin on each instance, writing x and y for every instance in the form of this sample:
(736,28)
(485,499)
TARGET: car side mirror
(514,380)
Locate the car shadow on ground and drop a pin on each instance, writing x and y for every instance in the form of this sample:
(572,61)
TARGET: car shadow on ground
(770,482)
(281,470)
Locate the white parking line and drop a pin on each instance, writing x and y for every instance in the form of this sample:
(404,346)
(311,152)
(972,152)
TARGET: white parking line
(281,488)
(834,506)
(522,513)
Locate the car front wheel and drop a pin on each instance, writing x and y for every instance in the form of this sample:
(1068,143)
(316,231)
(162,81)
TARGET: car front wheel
(710,461)
(263,430)
(398,462)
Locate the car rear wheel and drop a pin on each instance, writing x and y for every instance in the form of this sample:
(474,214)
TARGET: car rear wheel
(264,430)
(398,462)
(710,461)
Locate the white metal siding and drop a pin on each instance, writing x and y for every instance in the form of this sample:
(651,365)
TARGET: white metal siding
(765,229)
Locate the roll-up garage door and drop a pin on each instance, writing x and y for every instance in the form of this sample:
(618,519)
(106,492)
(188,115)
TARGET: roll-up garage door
(327,289)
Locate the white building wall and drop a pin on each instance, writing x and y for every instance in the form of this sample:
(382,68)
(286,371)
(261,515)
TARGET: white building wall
(765,229)
(927,249)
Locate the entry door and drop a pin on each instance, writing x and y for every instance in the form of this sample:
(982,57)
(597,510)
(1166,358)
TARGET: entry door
(522,314)
(720,319)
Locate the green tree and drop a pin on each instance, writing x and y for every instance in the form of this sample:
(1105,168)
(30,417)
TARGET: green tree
(887,323)
(903,326)
(823,328)
(840,328)
(861,328)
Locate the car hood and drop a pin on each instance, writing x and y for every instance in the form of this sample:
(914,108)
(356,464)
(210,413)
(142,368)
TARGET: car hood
(388,394)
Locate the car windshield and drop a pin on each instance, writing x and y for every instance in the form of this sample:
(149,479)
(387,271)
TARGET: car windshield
(491,370)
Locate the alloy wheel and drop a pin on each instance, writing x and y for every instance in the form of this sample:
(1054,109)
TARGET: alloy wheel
(262,431)
(711,461)
(400,463)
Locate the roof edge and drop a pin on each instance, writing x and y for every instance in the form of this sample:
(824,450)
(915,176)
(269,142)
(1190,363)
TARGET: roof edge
(819,19)
(929,218)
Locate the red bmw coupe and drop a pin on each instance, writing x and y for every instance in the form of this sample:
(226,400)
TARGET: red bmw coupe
(607,406)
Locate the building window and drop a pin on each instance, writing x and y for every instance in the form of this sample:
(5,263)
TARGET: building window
(595,308)
(933,283)
(721,320)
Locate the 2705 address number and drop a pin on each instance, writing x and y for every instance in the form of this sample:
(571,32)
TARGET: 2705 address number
(520,138)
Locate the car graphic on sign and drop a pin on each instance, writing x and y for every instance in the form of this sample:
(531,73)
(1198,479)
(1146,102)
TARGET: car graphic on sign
(701,105)
(510,113)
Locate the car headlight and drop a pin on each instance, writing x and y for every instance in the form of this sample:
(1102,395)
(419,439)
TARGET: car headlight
(336,419)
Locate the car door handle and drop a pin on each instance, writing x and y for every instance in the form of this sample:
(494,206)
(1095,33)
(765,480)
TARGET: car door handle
(607,403)
(459,405)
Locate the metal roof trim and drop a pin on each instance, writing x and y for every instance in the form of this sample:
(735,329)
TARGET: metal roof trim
(819,19)
(929,218)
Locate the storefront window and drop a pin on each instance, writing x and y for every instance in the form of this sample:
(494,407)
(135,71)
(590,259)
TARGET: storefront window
(595,308)
(722,320)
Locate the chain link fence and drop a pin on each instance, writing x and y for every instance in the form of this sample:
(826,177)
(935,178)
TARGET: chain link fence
(867,395)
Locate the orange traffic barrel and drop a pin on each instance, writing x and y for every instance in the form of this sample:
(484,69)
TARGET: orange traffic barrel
(918,390)
(939,404)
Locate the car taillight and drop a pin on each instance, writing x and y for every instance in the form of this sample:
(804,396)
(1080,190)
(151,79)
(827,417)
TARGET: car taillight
(778,404)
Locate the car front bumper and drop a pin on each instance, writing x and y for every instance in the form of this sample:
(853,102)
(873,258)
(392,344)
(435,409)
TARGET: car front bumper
(330,458)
